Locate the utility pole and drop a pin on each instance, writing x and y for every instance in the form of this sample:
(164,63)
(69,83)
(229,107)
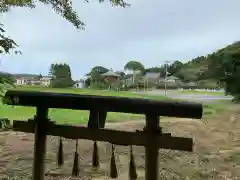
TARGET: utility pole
(166,72)
(147,84)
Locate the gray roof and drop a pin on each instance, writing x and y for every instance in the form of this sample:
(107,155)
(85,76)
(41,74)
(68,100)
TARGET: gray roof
(110,73)
(46,78)
(152,75)
(192,84)
(172,78)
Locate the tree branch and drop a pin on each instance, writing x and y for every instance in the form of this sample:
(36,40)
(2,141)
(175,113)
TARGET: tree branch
(62,7)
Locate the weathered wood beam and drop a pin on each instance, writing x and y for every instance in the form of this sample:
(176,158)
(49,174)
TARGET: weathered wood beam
(138,138)
(97,119)
(104,103)
(151,147)
(39,143)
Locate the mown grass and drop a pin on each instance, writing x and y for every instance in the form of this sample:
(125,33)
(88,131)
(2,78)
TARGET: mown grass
(72,116)
(212,109)
(80,117)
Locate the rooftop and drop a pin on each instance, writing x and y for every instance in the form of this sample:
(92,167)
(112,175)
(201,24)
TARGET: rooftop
(110,73)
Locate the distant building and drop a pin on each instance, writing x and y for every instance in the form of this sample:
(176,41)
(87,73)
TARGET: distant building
(79,84)
(110,76)
(128,78)
(151,76)
(149,79)
(45,80)
(21,81)
(172,79)
(28,79)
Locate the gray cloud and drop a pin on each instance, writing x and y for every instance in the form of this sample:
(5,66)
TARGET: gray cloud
(149,31)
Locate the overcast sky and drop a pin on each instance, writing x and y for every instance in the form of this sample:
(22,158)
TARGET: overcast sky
(150,31)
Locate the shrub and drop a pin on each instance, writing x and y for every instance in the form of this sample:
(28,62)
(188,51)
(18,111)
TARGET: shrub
(99,86)
(169,86)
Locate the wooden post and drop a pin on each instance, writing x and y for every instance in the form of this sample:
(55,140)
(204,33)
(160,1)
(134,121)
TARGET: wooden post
(152,137)
(151,148)
(40,143)
(97,118)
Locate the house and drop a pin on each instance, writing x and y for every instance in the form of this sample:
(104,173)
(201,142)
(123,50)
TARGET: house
(32,79)
(129,79)
(151,77)
(170,79)
(110,76)
(79,84)
(24,80)
(21,81)
(45,80)
(173,79)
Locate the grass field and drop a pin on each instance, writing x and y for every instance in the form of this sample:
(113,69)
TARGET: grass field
(79,117)
(71,116)
(215,157)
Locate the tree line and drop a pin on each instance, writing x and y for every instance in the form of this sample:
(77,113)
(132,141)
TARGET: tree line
(95,80)
(63,8)
(222,67)
(137,67)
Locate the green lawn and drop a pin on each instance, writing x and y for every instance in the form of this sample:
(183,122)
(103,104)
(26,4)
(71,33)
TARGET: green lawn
(76,116)
(71,116)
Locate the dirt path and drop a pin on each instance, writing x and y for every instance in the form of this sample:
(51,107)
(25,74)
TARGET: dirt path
(216,152)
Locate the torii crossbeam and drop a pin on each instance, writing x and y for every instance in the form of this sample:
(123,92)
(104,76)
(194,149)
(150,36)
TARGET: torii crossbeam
(151,137)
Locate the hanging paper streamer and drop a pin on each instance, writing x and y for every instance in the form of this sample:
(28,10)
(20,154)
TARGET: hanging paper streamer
(60,153)
(113,167)
(75,170)
(95,156)
(132,167)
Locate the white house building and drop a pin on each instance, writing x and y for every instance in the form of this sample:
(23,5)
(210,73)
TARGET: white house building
(79,84)
(45,80)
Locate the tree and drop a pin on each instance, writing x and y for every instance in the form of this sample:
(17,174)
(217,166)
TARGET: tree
(61,76)
(121,74)
(134,66)
(87,82)
(155,69)
(175,67)
(9,78)
(6,43)
(186,76)
(39,77)
(62,7)
(6,79)
(231,66)
(52,71)
(96,72)
(100,69)
(94,78)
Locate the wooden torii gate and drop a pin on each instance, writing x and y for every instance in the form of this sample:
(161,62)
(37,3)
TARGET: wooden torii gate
(151,137)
